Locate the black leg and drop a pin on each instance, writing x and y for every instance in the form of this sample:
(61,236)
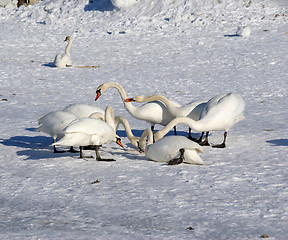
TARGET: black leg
(175,132)
(222,145)
(98,158)
(205,142)
(54,148)
(81,153)
(190,137)
(72,150)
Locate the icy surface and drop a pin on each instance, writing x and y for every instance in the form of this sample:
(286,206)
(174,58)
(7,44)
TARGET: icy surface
(185,50)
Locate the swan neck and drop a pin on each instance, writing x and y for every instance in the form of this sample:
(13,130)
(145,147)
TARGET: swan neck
(128,105)
(195,125)
(109,117)
(157,97)
(67,49)
(143,138)
(121,120)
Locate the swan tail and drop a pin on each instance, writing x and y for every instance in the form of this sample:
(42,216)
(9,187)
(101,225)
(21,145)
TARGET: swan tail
(192,156)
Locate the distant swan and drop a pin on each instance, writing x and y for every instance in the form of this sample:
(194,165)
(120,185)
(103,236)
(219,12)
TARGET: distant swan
(192,110)
(64,60)
(171,149)
(153,113)
(90,132)
(53,124)
(220,113)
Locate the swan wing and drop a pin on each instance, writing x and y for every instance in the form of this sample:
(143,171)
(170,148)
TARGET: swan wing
(191,156)
(53,123)
(154,112)
(168,148)
(62,60)
(75,139)
(222,112)
(88,126)
(83,110)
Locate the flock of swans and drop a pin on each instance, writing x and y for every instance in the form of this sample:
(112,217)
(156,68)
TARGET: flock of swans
(89,127)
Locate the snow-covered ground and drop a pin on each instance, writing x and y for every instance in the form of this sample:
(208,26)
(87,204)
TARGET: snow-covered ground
(185,50)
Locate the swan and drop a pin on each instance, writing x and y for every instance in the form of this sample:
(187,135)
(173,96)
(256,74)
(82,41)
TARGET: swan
(221,113)
(90,132)
(171,149)
(64,60)
(117,121)
(53,124)
(153,113)
(83,110)
(192,110)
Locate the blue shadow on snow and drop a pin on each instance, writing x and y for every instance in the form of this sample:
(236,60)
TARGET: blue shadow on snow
(35,148)
(99,5)
(278,142)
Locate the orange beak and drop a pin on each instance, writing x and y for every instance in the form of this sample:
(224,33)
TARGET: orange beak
(98,94)
(119,142)
(129,100)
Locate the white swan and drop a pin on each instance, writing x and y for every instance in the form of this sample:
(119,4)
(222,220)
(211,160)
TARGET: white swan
(90,132)
(64,60)
(171,149)
(83,110)
(117,121)
(192,110)
(153,113)
(220,113)
(53,124)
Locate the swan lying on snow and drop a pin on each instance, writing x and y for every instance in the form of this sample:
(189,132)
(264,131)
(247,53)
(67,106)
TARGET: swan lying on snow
(192,110)
(171,149)
(64,60)
(153,112)
(90,132)
(124,3)
(220,113)
(243,31)
(53,124)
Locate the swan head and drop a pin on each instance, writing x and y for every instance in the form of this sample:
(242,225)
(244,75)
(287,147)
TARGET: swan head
(135,142)
(102,88)
(68,38)
(98,94)
(117,140)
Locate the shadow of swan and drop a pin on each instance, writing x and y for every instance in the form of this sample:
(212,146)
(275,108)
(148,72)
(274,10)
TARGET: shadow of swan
(278,142)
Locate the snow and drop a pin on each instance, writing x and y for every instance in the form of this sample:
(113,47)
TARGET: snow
(185,50)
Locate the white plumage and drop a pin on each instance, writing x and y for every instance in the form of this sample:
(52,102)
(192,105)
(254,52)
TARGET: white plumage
(152,112)
(220,113)
(90,132)
(171,149)
(64,60)
(83,110)
(53,124)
